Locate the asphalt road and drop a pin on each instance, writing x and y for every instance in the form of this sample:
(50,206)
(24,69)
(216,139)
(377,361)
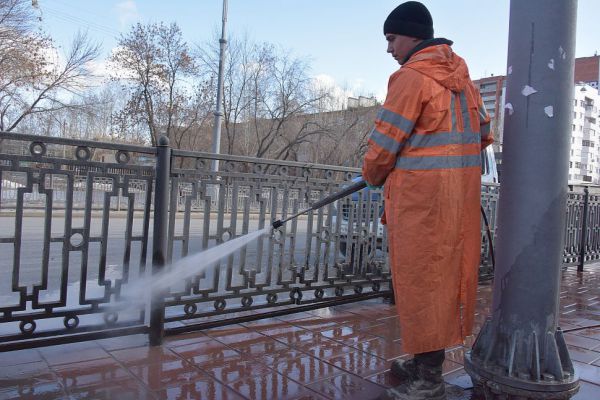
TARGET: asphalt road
(30,272)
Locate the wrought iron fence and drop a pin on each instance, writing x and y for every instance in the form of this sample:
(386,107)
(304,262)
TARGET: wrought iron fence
(80,220)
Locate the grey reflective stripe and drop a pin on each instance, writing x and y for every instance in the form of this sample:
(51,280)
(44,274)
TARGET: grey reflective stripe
(453,111)
(485,129)
(397,120)
(386,142)
(466,117)
(443,138)
(438,162)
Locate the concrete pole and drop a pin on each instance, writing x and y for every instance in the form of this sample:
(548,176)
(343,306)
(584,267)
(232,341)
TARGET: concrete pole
(216,143)
(520,351)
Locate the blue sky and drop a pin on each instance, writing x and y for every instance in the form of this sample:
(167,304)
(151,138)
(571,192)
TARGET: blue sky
(342,38)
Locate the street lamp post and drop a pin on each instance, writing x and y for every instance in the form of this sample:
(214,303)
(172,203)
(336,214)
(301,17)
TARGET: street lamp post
(520,352)
(216,143)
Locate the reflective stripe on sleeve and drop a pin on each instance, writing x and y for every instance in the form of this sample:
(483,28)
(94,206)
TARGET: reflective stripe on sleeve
(385,142)
(443,138)
(397,120)
(438,162)
(453,111)
(466,116)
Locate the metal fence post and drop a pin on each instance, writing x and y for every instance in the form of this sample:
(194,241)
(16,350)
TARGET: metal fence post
(160,235)
(584,228)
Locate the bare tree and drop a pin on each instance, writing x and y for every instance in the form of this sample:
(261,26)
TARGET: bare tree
(33,80)
(266,89)
(165,95)
(346,140)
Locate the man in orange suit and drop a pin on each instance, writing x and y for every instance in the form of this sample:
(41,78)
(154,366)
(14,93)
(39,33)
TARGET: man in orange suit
(425,147)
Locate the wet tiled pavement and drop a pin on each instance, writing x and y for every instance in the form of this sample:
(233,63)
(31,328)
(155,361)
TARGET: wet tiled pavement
(341,352)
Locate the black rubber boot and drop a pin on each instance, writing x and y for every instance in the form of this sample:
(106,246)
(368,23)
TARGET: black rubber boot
(404,370)
(428,385)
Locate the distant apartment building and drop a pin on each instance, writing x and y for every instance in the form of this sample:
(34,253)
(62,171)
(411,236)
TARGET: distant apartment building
(361,101)
(493,91)
(587,70)
(584,161)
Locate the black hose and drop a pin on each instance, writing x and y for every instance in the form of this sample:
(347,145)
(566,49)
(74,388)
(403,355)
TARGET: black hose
(489,236)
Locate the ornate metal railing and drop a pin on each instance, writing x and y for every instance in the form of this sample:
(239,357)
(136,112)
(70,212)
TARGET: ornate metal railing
(80,220)
(62,260)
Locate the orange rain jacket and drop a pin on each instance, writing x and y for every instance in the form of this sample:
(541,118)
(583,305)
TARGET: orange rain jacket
(426,147)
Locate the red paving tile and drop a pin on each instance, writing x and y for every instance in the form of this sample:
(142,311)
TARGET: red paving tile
(341,352)
(163,375)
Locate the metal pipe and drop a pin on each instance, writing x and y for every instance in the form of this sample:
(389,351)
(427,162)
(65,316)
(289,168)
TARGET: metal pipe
(520,350)
(160,238)
(355,187)
(216,142)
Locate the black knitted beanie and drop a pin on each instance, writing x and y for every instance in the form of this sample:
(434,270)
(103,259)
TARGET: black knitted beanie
(410,19)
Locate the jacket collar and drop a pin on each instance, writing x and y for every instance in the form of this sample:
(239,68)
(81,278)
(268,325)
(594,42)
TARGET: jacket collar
(424,44)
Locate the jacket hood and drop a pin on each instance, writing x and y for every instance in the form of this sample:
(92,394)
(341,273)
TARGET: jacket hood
(437,60)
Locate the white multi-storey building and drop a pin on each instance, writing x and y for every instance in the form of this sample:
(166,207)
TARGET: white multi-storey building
(584,161)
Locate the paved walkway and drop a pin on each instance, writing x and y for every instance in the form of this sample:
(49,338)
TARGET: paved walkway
(341,352)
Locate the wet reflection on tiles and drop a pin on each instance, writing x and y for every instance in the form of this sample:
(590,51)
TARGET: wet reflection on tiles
(204,353)
(20,357)
(268,386)
(164,374)
(119,391)
(234,370)
(146,354)
(40,387)
(186,338)
(200,389)
(347,387)
(91,373)
(260,347)
(314,323)
(359,363)
(72,353)
(323,348)
(290,335)
(382,348)
(306,369)
(239,338)
(123,342)
(341,352)
(349,336)
(281,355)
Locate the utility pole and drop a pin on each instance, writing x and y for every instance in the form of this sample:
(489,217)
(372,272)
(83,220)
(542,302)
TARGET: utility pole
(520,352)
(216,143)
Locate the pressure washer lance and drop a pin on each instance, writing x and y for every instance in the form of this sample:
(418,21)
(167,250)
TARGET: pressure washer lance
(329,199)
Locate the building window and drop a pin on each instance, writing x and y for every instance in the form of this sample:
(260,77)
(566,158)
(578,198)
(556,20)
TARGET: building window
(573,127)
(587,143)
